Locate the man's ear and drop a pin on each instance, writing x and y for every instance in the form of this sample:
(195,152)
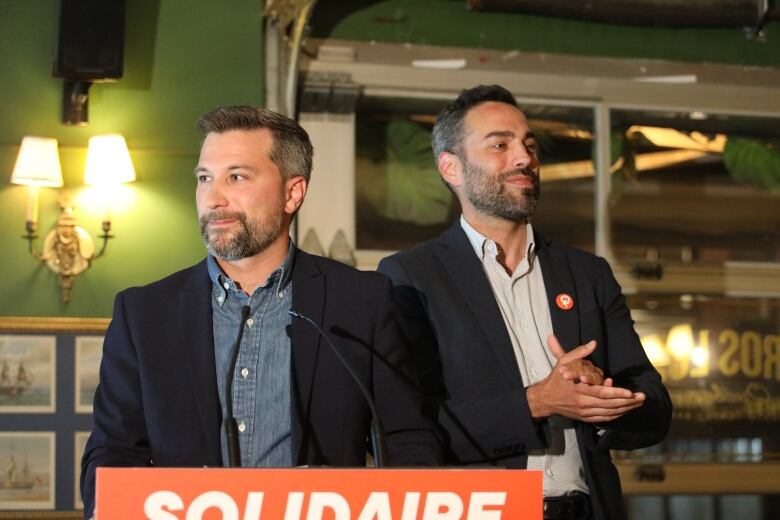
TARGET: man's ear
(294,192)
(450,168)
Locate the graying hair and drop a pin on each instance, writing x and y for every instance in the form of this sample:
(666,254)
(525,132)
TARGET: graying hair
(447,133)
(292,151)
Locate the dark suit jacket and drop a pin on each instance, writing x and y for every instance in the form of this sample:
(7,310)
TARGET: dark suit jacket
(453,321)
(157,401)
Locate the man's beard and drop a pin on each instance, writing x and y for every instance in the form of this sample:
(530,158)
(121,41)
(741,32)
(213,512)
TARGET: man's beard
(251,238)
(490,196)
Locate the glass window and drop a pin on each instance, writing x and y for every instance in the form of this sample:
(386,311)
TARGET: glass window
(695,187)
(401,200)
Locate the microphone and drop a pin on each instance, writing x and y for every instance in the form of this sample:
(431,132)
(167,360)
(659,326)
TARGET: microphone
(231,429)
(377,432)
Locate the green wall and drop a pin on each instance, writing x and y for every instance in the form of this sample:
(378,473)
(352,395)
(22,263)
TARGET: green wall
(182,58)
(449,23)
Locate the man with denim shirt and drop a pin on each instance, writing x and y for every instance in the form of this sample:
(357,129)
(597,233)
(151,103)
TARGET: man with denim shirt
(262,374)
(166,355)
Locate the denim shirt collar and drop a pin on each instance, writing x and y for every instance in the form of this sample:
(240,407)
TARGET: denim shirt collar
(221,283)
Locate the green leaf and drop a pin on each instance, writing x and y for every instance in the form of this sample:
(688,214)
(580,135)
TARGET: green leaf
(415,192)
(752,162)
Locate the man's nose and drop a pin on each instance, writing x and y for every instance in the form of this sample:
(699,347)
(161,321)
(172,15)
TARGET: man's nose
(524,158)
(215,197)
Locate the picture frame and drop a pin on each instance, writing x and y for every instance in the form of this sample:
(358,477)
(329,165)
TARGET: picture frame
(28,368)
(79,443)
(89,352)
(48,429)
(28,480)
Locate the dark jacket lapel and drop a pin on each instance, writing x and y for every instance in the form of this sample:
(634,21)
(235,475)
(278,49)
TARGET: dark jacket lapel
(309,300)
(456,254)
(558,280)
(195,317)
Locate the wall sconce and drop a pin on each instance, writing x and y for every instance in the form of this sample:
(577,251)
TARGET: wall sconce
(68,249)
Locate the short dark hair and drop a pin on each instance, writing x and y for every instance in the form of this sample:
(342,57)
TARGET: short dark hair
(292,151)
(448,131)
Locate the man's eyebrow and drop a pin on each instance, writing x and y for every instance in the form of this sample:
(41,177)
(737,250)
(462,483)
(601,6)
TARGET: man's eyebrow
(499,133)
(243,167)
(508,133)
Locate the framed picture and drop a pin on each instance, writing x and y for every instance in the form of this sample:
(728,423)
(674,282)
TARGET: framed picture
(28,472)
(89,352)
(27,373)
(80,441)
(39,355)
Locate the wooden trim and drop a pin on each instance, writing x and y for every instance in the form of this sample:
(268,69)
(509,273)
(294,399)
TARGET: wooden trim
(760,478)
(41,515)
(53,324)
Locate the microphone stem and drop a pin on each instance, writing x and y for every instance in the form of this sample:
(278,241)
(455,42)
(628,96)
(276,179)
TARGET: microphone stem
(378,444)
(376,431)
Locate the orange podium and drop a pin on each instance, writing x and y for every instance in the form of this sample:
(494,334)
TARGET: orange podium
(318,494)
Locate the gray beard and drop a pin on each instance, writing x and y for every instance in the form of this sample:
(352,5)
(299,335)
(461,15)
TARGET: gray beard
(491,198)
(252,238)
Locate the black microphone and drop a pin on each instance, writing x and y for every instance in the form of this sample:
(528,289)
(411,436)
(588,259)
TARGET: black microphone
(377,432)
(231,429)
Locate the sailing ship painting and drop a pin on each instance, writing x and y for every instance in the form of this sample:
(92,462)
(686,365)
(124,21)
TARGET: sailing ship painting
(27,371)
(18,477)
(17,385)
(26,470)
(89,352)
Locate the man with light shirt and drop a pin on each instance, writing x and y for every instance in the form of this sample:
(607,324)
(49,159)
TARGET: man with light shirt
(525,344)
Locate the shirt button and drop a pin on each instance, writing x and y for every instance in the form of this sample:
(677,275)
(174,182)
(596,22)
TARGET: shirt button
(250,322)
(281,294)
(226,285)
(221,299)
(244,372)
(242,427)
(548,470)
(524,324)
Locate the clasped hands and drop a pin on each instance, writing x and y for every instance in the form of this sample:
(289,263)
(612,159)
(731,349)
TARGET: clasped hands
(577,389)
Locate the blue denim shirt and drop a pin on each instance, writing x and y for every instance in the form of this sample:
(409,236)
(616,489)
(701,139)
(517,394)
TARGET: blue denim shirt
(261,384)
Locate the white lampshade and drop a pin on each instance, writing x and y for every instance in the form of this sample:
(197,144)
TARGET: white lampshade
(108,161)
(38,163)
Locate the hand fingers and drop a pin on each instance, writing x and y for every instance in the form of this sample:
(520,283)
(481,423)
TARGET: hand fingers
(608,392)
(596,415)
(592,377)
(555,346)
(580,352)
(582,372)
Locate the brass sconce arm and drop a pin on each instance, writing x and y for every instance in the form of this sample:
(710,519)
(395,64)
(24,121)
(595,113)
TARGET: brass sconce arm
(106,226)
(68,249)
(30,228)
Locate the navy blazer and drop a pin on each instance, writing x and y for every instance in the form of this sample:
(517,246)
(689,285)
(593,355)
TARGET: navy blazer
(157,402)
(469,368)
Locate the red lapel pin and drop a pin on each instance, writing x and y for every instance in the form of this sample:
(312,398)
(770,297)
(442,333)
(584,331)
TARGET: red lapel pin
(564,301)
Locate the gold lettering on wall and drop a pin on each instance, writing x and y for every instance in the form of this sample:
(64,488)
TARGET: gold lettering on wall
(735,373)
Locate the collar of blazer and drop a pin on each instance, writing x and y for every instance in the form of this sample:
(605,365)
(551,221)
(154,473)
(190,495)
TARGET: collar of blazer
(457,257)
(197,332)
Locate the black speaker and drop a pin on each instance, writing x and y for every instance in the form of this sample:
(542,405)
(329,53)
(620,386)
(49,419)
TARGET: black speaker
(90,46)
